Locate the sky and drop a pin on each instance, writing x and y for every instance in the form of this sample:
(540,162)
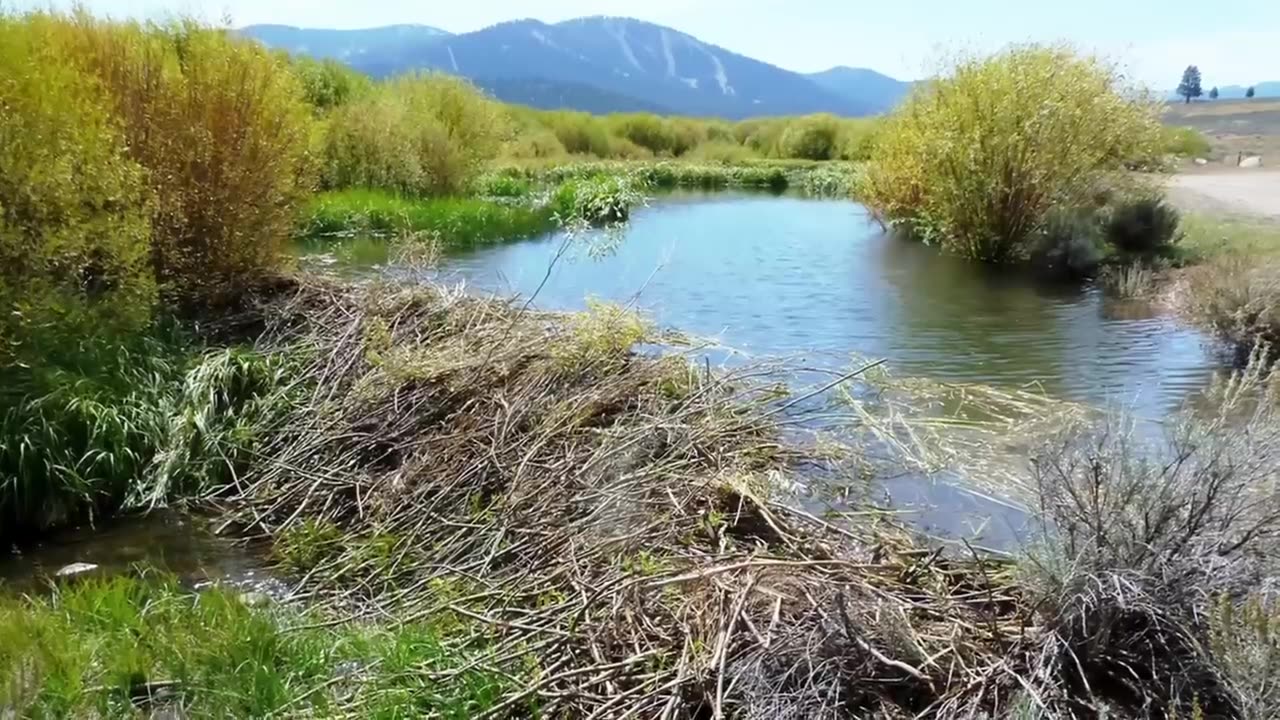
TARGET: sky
(1154,40)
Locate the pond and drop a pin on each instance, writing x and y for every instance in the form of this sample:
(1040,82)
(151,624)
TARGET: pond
(185,545)
(815,282)
(819,283)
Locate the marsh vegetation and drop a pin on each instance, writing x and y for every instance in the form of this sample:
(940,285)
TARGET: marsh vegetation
(488,511)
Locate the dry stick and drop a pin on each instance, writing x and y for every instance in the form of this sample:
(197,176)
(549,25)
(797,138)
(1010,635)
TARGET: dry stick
(546,681)
(722,649)
(564,247)
(842,379)
(866,647)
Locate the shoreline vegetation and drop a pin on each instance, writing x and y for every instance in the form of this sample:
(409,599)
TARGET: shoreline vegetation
(492,512)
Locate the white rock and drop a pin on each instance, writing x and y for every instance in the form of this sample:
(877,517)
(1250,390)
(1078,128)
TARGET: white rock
(255,599)
(1252,161)
(75,569)
(1201,161)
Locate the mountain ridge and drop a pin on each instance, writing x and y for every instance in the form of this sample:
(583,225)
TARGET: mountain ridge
(885,91)
(600,64)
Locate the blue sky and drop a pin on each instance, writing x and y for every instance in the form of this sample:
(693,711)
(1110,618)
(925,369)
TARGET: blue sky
(1154,40)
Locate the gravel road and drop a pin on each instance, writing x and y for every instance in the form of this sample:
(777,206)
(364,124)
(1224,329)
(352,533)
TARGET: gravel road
(1238,192)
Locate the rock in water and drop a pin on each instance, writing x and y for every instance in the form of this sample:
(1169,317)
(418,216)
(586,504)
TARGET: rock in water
(255,599)
(75,570)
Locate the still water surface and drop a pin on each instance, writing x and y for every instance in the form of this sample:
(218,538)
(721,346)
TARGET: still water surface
(817,281)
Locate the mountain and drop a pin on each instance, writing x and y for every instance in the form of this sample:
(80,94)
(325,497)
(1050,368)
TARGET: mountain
(553,95)
(599,64)
(341,44)
(878,89)
(1235,92)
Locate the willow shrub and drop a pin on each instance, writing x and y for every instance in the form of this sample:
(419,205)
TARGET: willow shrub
(74,231)
(221,127)
(976,160)
(816,137)
(420,134)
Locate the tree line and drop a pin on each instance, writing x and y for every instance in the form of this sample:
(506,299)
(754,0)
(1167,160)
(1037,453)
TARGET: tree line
(1191,88)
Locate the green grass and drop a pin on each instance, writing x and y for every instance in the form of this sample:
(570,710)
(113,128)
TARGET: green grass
(456,222)
(94,648)
(1206,238)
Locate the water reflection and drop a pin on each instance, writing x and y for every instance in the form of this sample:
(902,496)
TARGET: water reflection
(814,279)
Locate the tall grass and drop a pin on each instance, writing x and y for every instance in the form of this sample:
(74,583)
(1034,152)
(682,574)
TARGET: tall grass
(137,427)
(976,160)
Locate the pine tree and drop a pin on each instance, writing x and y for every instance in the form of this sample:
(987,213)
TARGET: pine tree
(1213,94)
(1250,92)
(1190,85)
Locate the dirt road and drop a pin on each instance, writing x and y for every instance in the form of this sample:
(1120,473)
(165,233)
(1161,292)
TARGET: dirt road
(1237,192)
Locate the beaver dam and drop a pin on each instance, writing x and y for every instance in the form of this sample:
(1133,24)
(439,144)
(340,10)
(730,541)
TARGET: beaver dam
(486,511)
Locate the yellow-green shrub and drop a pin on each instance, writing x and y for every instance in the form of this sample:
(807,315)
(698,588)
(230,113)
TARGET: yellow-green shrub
(857,138)
(74,232)
(760,134)
(722,152)
(221,128)
(327,84)
(579,132)
(976,160)
(1185,142)
(418,134)
(815,137)
(646,130)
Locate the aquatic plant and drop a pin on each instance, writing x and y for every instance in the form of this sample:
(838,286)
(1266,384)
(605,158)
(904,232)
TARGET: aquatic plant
(76,441)
(600,199)
(454,222)
(976,160)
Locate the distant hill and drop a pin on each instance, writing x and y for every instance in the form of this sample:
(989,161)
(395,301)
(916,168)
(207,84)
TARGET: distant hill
(600,64)
(1235,92)
(554,95)
(869,86)
(341,44)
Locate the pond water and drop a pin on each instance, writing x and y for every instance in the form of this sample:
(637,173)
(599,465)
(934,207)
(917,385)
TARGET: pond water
(817,282)
(187,546)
